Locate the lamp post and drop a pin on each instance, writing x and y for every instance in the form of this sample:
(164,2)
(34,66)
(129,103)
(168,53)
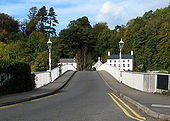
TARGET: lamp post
(121,43)
(49,44)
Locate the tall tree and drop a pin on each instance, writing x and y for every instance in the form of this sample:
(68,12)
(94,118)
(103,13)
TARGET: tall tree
(33,21)
(79,38)
(42,18)
(52,21)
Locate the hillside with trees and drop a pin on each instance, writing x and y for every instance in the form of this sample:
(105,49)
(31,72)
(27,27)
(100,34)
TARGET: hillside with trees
(148,36)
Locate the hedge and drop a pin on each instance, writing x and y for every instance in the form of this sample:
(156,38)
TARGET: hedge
(22,80)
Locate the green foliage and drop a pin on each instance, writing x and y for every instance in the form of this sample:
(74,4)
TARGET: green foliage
(99,27)
(78,40)
(21,80)
(168,70)
(41,62)
(148,36)
(167,93)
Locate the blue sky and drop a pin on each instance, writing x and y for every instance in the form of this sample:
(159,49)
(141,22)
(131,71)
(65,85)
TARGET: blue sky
(114,12)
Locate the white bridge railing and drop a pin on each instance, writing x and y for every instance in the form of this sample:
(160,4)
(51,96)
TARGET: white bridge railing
(43,78)
(142,81)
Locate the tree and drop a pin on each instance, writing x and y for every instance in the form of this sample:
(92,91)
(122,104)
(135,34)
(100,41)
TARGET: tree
(18,51)
(83,22)
(99,27)
(41,62)
(42,18)
(8,24)
(37,42)
(52,21)
(162,58)
(79,40)
(33,21)
(2,46)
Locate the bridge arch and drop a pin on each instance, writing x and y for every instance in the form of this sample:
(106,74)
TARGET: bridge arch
(67,67)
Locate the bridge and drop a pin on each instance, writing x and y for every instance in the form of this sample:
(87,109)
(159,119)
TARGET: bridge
(88,96)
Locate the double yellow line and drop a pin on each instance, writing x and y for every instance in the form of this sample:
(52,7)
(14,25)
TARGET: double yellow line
(138,117)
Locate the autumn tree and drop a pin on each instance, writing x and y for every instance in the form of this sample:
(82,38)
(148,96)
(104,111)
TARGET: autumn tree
(8,25)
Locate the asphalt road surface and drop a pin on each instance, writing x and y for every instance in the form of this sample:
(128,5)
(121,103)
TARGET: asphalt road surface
(85,98)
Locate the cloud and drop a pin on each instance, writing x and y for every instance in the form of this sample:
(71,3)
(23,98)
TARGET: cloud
(112,13)
(116,12)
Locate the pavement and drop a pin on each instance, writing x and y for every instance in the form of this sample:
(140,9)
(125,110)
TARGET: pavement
(46,90)
(154,105)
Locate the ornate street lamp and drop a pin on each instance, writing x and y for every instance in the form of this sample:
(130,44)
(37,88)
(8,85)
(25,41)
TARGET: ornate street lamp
(121,43)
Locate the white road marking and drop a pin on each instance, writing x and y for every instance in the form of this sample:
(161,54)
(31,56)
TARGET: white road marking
(160,106)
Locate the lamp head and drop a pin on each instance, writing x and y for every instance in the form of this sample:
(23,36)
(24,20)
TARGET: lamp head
(121,43)
(49,44)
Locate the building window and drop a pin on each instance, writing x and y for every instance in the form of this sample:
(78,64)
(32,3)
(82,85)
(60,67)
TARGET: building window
(123,60)
(115,61)
(114,65)
(110,61)
(128,60)
(128,65)
(123,65)
(111,64)
(119,65)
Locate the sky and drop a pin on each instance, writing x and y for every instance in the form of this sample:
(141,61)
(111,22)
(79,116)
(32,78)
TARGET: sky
(114,12)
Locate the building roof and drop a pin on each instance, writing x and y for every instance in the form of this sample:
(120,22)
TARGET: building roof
(123,57)
(67,60)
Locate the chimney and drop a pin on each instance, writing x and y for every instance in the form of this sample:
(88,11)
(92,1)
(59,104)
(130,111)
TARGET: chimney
(131,52)
(98,58)
(108,53)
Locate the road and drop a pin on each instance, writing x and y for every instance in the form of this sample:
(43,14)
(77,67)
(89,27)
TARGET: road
(85,98)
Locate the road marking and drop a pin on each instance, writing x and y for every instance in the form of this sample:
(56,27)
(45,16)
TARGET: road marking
(10,106)
(34,100)
(129,108)
(160,106)
(143,118)
(123,109)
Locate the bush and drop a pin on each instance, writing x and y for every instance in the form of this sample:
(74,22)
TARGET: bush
(21,80)
(168,70)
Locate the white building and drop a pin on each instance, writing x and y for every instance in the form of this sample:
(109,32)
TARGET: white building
(127,61)
(68,61)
